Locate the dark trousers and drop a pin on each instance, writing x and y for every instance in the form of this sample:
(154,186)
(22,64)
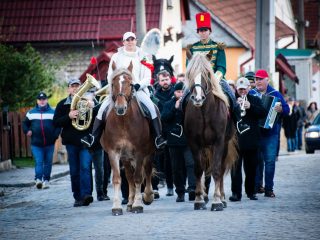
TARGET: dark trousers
(249,158)
(182,166)
(107,172)
(163,165)
(124,183)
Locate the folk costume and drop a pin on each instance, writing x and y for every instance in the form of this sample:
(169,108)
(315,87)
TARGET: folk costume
(218,63)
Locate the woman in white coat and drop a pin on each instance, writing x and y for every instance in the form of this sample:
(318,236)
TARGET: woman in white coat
(142,76)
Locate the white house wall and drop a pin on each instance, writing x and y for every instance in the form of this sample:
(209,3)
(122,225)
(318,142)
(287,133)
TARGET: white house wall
(171,18)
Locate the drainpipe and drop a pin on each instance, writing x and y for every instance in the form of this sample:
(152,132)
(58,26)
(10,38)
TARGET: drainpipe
(293,40)
(248,60)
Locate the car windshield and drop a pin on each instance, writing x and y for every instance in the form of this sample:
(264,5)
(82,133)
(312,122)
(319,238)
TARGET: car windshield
(316,120)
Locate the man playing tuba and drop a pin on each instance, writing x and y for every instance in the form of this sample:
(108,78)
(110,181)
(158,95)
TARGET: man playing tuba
(79,158)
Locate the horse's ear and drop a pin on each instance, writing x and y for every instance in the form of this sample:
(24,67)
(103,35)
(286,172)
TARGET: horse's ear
(153,58)
(114,67)
(209,55)
(171,59)
(130,67)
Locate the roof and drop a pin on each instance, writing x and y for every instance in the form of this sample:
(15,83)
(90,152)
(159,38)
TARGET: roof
(240,15)
(283,66)
(71,20)
(296,53)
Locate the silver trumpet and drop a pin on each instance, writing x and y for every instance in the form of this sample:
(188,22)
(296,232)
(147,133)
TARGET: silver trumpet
(243,110)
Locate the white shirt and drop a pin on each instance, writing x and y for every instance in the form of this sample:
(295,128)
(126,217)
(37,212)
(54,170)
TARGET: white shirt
(122,59)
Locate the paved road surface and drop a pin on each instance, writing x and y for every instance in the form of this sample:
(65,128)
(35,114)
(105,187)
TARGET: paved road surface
(28,213)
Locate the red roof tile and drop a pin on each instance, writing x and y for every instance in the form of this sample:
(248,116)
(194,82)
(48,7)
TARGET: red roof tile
(70,20)
(240,15)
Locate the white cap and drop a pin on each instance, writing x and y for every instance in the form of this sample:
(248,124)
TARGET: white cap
(243,83)
(127,35)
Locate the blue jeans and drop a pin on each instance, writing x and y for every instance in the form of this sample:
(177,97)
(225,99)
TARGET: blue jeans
(269,148)
(43,161)
(299,138)
(291,144)
(80,162)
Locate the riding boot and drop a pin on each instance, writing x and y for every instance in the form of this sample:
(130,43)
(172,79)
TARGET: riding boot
(94,138)
(160,142)
(235,107)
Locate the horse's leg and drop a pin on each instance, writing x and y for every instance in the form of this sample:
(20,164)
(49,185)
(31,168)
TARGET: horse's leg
(137,206)
(148,192)
(199,203)
(129,175)
(217,205)
(223,195)
(116,181)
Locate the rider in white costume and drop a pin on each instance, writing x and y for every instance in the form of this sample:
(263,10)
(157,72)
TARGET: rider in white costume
(142,75)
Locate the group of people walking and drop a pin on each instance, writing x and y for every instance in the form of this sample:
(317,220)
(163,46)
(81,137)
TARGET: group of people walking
(258,146)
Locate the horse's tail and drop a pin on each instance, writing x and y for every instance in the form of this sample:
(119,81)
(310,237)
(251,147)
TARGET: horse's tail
(232,154)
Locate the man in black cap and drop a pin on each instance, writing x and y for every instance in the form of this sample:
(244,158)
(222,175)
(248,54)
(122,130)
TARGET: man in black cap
(79,158)
(39,126)
(250,77)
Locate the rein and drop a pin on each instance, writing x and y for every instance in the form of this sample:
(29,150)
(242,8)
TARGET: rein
(121,94)
(206,91)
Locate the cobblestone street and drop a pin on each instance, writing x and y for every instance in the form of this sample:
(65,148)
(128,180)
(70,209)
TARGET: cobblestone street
(28,213)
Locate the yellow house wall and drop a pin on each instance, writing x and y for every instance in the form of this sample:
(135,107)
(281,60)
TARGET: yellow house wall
(232,56)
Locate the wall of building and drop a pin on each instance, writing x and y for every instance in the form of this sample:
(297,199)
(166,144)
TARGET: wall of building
(171,17)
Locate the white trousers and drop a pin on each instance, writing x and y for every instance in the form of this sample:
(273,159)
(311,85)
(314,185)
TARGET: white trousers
(140,95)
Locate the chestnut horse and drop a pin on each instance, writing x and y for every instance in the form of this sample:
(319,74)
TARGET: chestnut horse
(209,130)
(127,138)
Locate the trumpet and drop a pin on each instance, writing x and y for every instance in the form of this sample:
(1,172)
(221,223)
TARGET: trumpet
(243,110)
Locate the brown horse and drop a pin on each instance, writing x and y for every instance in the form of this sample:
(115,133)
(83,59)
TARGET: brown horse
(127,138)
(209,130)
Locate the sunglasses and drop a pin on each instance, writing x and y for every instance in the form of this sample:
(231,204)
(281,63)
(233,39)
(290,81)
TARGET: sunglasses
(130,39)
(203,29)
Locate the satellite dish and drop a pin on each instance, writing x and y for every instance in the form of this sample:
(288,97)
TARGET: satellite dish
(152,41)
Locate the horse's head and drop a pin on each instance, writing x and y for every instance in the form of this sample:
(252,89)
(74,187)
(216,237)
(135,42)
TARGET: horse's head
(199,79)
(122,89)
(199,90)
(162,64)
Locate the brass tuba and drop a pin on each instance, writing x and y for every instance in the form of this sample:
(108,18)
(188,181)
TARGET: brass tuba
(103,93)
(84,118)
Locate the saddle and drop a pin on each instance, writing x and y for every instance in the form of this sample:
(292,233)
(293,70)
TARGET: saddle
(145,111)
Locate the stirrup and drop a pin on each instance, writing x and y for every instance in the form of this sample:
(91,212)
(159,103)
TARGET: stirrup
(86,141)
(161,145)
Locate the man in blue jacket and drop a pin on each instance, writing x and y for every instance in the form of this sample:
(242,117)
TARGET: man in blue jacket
(38,124)
(269,137)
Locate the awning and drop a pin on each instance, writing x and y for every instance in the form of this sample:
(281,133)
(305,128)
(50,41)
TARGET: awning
(283,66)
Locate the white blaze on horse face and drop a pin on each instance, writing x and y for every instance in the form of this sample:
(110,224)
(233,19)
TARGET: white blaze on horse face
(198,88)
(121,80)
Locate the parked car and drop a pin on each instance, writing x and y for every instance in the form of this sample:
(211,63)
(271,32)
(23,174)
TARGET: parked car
(312,135)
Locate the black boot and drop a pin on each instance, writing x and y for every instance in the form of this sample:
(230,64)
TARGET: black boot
(92,139)
(241,126)
(160,142)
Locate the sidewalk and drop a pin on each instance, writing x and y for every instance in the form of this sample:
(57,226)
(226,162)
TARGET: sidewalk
(24,177)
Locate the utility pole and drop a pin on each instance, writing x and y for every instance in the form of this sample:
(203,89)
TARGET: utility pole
(265,36)
(140,20)
(301,25)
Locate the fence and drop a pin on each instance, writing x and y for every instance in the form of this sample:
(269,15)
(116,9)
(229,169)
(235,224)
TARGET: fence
(14,143)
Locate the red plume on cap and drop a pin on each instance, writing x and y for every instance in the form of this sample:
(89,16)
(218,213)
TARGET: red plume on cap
(203,20)
(93,60)
(94,75)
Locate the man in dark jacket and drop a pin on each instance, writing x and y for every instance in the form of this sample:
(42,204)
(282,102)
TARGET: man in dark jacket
(163,94)
(79,157)
(249,142)
(181,157)
(39,126)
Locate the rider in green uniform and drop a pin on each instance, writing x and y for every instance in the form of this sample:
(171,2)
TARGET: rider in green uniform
(218,63)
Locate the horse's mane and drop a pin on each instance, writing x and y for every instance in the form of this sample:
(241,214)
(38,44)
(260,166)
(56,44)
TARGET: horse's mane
(200,64)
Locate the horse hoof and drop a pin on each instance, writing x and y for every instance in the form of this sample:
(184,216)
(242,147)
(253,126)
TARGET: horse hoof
(117,211)
(129,208)
(224,203)
(217,207)
(146,202)
(200,206)
(138,209)
(206,199)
